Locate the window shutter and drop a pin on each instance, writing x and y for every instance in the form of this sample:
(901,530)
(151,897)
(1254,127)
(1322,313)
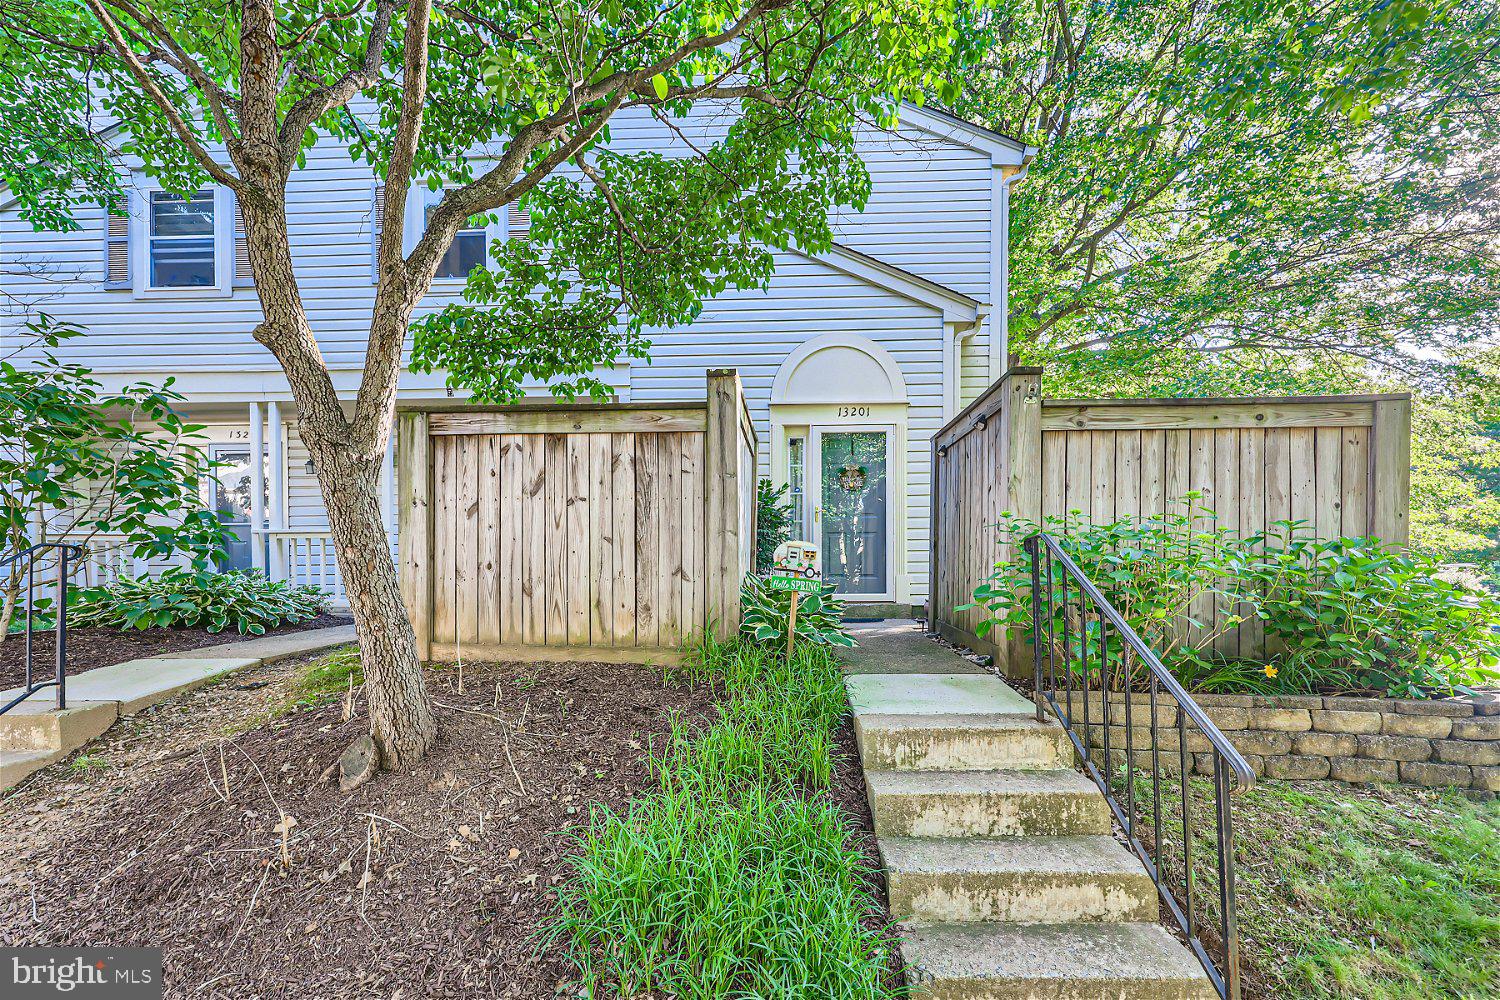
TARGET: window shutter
(377,225)
(243,276)
(520,223)
(117,248)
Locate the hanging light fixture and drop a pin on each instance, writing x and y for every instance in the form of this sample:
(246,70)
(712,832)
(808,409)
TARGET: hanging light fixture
(852,477)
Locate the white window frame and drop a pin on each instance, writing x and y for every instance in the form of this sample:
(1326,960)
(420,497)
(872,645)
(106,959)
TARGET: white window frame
(140,247)
(418,201)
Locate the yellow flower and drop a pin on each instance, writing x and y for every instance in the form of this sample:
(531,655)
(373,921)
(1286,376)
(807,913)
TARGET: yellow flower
(1270,670)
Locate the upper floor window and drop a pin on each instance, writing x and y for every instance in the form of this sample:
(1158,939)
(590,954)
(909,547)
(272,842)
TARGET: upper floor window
(466,252)
(181,235)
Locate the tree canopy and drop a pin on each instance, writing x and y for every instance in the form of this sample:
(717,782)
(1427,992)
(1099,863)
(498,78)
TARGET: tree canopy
(1258,181)
(516,104)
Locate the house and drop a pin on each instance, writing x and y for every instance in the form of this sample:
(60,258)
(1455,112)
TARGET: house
(851,359)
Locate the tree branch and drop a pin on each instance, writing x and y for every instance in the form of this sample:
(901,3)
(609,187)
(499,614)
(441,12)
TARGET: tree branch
(175,119)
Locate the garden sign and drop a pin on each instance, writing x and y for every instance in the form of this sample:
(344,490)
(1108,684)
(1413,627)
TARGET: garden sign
(797,567)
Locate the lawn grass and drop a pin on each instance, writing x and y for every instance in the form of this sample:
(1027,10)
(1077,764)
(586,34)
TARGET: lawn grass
(735,878)
(1386,893)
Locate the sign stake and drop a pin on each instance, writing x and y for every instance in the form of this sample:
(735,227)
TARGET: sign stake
(791,626)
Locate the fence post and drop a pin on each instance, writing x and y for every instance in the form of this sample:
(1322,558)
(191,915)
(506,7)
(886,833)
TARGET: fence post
(1390,471)
(414,528)
(722,500)
(1023,481)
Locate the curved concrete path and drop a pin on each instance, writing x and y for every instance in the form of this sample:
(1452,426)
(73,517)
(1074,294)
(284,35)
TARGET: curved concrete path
(35,733)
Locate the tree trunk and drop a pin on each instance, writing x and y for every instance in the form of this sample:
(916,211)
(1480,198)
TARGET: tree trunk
(401,719)
(12,597)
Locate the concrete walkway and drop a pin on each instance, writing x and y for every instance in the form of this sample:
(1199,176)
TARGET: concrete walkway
(34,733)
(1000,861)
(899,646)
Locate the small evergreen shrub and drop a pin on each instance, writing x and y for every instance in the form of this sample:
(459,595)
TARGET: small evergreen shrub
(773,522)
(182,599)
(1339,615)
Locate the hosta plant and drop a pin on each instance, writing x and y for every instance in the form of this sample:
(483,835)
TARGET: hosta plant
(248,602)
(1338,615)
(767,612)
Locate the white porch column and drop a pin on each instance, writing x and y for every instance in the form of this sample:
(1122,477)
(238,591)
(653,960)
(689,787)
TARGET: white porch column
(277,454)
(257,486)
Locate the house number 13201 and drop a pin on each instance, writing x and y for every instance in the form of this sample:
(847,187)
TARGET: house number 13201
(854,411)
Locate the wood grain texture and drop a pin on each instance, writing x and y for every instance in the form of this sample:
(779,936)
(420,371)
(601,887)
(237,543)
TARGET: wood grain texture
(558,573)
(580,421)
(414,525)
(1192,415)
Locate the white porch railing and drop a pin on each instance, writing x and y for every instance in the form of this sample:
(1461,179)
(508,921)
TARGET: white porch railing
(300,557)
(109,555)
(306,558)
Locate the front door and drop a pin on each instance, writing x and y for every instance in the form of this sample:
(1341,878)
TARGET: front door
(849,482)
(232,483)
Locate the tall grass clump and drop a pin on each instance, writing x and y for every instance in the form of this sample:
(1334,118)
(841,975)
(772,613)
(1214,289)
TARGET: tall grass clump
(736,877)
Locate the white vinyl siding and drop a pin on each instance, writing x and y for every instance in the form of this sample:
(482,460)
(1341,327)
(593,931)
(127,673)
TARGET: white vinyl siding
(974,366)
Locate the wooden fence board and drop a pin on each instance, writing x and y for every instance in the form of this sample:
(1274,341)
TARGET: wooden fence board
(556,554)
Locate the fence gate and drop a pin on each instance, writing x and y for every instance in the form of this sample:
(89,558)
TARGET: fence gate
(619,530)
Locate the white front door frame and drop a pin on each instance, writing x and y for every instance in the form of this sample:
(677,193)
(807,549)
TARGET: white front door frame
(814,503)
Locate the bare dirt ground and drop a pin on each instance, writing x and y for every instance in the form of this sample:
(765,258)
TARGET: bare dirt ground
(201,827)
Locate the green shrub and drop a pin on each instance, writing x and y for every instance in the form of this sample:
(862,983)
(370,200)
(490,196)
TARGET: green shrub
(1342,614)
(773,522)
(734,878)
(767,613)
(182,599)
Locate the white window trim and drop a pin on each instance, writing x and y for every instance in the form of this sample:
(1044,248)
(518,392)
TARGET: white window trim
(140,247)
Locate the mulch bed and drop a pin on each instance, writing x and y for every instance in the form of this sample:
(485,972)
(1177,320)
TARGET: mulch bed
(428,884)
(100,647)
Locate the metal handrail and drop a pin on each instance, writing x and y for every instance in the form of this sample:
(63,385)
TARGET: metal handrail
(1230,771)
(65,552)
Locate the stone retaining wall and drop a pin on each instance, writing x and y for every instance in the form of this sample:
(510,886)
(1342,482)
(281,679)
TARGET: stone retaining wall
(1452,743)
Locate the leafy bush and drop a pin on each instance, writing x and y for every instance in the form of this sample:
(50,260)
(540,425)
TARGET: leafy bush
(732,878)
(183,599)
(767,613)
(1343,614)
(773,522)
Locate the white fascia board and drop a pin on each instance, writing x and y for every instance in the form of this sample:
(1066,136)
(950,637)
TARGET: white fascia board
(955,306)
(1002,150)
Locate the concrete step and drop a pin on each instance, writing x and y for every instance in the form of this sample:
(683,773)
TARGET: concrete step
(928,694)
(1067,962)
(985,804)
(17,765)
(37,725)
(1036,880)
(979,742)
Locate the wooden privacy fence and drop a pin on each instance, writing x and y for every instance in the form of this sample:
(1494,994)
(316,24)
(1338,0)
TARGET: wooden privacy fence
(616,530)
(1340,463)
